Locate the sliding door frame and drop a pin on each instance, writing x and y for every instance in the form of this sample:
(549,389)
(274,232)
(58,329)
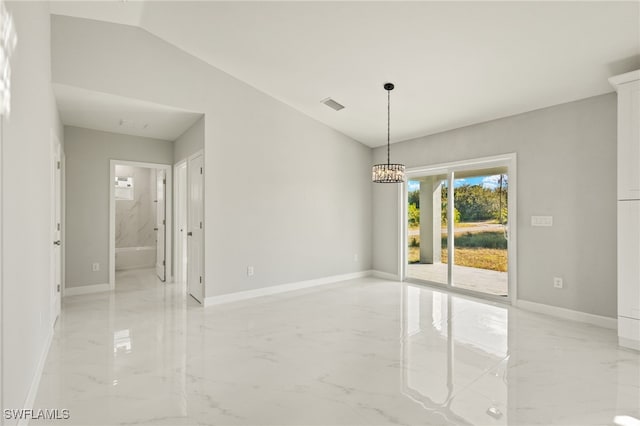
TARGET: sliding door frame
(508,160)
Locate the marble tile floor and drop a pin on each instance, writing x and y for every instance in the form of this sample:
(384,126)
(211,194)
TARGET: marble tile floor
(360,352)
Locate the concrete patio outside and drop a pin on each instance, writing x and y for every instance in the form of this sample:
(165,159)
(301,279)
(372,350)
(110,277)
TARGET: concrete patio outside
(476,279)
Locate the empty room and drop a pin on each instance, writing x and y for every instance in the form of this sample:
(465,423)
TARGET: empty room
(319,212)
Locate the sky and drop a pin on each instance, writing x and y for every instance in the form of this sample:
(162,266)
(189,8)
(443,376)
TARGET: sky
(490,182)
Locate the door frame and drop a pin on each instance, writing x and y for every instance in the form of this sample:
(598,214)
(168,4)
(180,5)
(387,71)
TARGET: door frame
(112,216)
(176,213)
(189,159)
(57,163)
(510,161)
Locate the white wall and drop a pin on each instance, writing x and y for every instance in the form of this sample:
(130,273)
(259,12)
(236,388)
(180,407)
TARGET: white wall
(190,142)
(87,202)
(26,209)
(284,193)
(566,169)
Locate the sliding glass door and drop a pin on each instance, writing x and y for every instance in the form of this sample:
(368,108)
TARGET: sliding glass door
(458,227)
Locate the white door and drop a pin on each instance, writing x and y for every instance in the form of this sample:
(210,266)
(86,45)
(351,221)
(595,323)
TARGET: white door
(160,224)
(181,223)
(628,255)
(195,276)
(57,231)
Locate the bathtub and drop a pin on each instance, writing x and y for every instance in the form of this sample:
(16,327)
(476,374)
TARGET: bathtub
(135,257)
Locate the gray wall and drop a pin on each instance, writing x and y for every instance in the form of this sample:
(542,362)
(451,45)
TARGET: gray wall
(27,197)
(87,202)
(190,142)
(566,168)
(284,193)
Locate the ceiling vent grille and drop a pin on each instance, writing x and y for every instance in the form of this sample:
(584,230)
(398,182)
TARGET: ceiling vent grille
(332,104)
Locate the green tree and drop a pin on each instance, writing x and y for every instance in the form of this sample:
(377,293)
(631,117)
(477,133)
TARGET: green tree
(443,214)
(414,215)
(414,198)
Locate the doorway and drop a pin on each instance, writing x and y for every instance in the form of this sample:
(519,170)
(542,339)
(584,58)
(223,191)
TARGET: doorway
(195,234)
(460,222)
(139,216)
(189,227)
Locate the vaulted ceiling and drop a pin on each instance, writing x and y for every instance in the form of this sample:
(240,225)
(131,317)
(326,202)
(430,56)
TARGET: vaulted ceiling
(453,63)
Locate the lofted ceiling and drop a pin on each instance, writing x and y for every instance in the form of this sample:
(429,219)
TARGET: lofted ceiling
(453,63)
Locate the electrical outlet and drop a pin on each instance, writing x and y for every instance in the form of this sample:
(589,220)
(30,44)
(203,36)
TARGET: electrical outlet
(249,271)
(557,282)
(95,267)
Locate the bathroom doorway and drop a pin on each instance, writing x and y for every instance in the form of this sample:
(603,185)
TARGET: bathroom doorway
(140,215)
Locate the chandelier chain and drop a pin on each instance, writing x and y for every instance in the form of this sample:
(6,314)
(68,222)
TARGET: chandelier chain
(388,126)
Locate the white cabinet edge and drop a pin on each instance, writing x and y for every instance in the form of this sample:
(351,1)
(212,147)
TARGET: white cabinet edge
(628,77)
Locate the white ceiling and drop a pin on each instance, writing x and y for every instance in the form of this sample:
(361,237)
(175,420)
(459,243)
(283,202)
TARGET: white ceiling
(110,113)
(453,63)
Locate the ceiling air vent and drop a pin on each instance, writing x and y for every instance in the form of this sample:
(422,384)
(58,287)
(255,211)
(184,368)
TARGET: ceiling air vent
(133,124)
(332,104)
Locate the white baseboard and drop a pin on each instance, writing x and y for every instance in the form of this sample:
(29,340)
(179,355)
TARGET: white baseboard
(385,275)
(569,314)
(629,343)
(132,267)
(35,381)
(86,289)
(276,289)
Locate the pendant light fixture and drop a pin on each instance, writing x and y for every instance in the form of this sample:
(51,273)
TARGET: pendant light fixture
(388,173)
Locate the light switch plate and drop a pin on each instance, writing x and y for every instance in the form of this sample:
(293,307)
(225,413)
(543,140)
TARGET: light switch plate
(541,220)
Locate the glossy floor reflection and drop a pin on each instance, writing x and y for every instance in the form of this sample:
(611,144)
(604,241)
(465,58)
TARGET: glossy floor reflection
(367,351)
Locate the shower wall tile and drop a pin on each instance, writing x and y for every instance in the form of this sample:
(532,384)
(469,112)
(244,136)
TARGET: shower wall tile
(135,219)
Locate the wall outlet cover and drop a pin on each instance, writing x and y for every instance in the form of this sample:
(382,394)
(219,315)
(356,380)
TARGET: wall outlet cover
(557,282)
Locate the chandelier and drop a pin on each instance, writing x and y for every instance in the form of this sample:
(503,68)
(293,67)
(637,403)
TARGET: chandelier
(388,172)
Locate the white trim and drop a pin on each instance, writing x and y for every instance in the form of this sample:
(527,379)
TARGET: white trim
(189,159)
(385,275)
(469,164)
(568,314)
(35,381)
(168,168)
(86,289)
(629,343)
(176,236)
(55,159)
(282,288)
(617,80)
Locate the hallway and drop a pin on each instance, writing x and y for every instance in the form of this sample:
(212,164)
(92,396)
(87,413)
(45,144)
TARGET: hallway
(366,351)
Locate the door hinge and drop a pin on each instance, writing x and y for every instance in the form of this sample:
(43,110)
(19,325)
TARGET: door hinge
(58,226)
(164,181)
(58,288)
(200,170)
(163,263)
(200,225)
(163,222)
(58,165)
(200,280)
